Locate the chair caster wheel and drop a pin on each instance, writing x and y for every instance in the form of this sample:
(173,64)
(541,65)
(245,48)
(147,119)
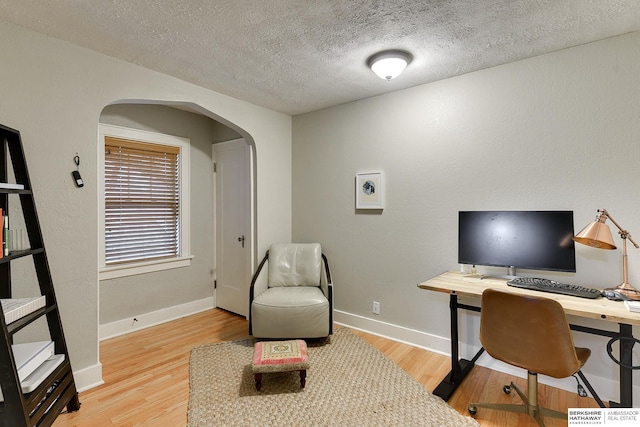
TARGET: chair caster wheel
(506,389)
(472,410)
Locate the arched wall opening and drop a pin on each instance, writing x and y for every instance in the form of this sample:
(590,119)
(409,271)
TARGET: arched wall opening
(156,297)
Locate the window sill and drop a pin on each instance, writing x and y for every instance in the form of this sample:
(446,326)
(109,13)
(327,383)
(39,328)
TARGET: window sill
(106,273)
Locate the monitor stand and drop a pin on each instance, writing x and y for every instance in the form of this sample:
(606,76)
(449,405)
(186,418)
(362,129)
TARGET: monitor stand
(474,274)
(511,274)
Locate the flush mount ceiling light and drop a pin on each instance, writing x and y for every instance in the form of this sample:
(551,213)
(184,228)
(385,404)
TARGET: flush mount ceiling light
(389,64)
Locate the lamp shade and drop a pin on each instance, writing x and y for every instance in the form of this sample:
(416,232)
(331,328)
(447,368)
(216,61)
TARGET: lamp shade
(389,64)
(597,235)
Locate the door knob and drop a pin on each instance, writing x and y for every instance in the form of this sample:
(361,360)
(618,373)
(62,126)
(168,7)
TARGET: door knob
(241,239)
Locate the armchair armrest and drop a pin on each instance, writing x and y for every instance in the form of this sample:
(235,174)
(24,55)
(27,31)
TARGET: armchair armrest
(259,284)
(326,284)
(325,279)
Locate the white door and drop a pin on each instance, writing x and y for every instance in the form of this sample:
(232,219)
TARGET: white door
(233,236)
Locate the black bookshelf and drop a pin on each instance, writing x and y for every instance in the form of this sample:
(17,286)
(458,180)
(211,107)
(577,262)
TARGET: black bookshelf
(41,406)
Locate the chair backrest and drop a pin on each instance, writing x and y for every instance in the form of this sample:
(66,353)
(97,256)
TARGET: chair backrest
(295,264)
(530,332)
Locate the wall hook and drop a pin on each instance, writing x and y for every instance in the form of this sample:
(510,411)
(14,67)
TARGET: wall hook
(76,173)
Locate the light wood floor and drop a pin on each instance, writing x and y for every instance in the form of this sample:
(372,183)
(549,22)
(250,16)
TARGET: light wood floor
(146,376)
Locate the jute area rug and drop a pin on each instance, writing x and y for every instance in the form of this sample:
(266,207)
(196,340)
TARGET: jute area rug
(349,383)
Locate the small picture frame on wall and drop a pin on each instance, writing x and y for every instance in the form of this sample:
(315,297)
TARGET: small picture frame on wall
(369,194)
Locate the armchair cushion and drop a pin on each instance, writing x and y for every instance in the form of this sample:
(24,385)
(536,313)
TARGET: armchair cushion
(299,297)
(295,264)
(285,311)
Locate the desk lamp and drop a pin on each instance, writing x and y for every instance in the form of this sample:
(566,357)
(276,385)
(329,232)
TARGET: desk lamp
(598,235)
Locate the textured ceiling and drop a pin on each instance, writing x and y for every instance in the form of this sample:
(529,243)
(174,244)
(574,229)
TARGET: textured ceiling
(297,56)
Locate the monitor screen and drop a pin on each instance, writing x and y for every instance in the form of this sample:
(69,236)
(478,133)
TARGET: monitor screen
(536,240)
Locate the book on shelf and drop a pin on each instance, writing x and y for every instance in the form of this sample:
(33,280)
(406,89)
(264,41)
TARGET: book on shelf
(31,382)
(41,373)
(10,186)
(29,356)
(15,308)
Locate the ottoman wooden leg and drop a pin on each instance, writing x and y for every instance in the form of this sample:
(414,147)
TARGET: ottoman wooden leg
(259,381)
(303,377)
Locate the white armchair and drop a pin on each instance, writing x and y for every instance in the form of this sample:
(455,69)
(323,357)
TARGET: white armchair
(291,294)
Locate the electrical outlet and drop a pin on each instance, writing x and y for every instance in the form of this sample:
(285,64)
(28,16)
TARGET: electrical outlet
(376,307)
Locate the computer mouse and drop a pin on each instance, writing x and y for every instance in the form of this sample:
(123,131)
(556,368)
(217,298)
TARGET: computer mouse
(614,295)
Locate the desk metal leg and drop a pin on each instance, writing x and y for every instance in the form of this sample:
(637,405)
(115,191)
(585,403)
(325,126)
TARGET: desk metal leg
(626,361)
(626,342)
(459,367)
(455,343)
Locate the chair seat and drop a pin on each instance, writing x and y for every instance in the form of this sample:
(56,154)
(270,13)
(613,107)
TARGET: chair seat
(299,296)
(293,312)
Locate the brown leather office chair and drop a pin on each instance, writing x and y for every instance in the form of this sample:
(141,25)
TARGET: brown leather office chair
(532,333)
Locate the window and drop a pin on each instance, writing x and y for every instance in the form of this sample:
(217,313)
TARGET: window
(144,201)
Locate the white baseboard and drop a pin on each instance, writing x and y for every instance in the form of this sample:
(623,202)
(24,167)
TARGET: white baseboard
(394,332)
(606,388)
(146,320)
(88,377)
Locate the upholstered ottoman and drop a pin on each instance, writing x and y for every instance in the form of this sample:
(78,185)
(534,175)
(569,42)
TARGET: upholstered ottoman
(280,356)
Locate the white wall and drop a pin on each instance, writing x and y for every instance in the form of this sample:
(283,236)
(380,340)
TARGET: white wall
(554,132)
(53,92)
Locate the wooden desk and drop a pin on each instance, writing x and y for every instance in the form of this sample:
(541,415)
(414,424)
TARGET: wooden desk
(456,284)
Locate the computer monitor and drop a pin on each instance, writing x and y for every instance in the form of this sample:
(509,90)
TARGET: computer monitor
(536,240)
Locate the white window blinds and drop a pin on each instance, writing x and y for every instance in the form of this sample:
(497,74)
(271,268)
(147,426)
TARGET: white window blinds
(142,201)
